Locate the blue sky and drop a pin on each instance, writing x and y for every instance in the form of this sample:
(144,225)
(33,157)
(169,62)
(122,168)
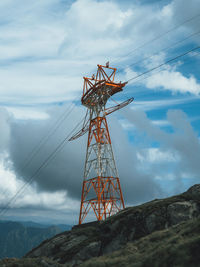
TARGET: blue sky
(46,47)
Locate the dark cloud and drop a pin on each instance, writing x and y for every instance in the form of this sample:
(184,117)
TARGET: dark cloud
(65,171)
(137,185)
(5,130)
(138,179)
(183,10)
(183,141)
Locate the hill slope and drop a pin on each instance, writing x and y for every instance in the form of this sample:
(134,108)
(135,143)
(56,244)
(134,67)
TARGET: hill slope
(159,233)
(177,246)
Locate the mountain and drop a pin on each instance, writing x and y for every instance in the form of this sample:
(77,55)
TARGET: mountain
(163,232)
(62,227)
(16,239)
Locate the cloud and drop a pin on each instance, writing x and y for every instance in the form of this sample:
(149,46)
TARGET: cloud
(185,142)
(141,171)
(137,185)
(156,155)
(174,81)
(54,207)
(183,10)
(180,147)
(5,130)
(162,103)
(65,172)
(59,173)
(27,113)
(47,47)
(10,185)
(166,77)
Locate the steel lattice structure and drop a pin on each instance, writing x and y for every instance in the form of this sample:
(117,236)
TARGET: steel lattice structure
(101,190)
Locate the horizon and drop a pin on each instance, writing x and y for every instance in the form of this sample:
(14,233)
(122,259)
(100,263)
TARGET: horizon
(46,49)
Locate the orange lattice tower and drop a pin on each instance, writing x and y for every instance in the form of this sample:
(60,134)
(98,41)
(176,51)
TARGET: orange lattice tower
(101,190)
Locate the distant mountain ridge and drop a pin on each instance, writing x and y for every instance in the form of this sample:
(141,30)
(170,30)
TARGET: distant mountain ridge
(63,227)
(17,238)
(162,232)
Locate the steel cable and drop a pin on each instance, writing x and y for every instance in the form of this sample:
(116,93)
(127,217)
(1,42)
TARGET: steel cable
(44,164)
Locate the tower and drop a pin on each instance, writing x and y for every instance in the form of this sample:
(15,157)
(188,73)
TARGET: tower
(101,190)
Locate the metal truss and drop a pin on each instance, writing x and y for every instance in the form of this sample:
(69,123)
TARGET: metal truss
(101,190)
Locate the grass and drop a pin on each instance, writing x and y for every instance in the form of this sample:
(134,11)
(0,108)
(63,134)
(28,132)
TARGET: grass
(177,246)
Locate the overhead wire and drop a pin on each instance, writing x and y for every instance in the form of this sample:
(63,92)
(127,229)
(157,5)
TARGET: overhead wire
(160,70)
(159,36)
(165,63)
(44,164)
(43,141)
(164,49)
(135,77)
(45,138)
(35,151)
(59,147)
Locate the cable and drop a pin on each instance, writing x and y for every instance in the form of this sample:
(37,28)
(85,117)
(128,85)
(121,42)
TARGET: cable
(143,78)
(44,140)
(166,62)
(44,164)
(161,35)
(164,49)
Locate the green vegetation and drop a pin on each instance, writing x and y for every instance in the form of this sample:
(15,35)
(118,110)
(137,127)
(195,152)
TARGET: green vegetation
(177,246)
(160,233)
(40,262)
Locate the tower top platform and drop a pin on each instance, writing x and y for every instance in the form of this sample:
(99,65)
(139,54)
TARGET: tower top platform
(100,87)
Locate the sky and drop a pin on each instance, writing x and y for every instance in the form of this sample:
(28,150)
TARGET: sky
(46,47)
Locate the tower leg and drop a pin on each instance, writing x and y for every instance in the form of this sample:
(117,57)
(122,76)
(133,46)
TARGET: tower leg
(101,190)
(108,200)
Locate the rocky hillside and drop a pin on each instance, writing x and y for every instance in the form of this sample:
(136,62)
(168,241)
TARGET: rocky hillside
(162,232)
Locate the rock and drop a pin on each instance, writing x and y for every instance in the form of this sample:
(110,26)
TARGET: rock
(176,246)
(156,220)
(91,250)
(182,211)
(114,244)
(29,262)
(101,238)
(194,191)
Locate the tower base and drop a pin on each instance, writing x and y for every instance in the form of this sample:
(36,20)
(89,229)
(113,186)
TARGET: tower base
(103,195)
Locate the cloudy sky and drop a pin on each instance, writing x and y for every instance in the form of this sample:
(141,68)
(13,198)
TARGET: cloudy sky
(46,47)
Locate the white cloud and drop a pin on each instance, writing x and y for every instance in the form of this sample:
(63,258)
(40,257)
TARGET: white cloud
(45,56)
(173,81)
(161,103)
(129,126)
(168,177)
(27,113)
(161,122)
(30,197)
(182,143)
(46,53)
(46,47)
(157,155)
